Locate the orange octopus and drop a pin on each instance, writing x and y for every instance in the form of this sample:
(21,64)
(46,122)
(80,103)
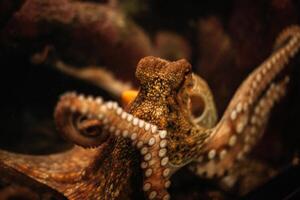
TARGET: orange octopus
(160,124)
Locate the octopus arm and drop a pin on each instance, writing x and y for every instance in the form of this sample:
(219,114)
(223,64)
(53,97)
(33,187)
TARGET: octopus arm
(59,171)
(116,123)
(244,120)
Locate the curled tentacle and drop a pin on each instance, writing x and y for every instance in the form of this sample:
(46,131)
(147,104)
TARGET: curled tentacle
(244,120)
(113,120)
(72,121)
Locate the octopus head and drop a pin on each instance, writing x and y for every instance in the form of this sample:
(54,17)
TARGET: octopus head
(164,75)
(160,97)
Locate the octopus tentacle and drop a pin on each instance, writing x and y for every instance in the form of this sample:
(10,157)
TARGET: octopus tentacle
(285,35)
(115,121)
(70,111)
(218,160)
(60,171)
(244,119)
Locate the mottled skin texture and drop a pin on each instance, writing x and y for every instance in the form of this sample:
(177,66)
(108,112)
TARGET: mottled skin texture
(163,101)
(160,123)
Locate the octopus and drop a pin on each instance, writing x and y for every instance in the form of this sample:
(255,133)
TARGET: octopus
(139,146)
